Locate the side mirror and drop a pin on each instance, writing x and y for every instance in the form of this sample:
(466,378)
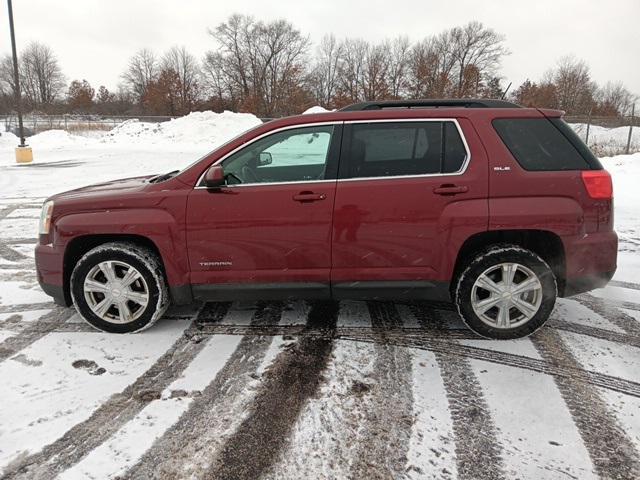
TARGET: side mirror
(264,159)
(214,177)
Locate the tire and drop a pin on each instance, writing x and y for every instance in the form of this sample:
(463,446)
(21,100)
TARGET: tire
(128,277)
(486,279)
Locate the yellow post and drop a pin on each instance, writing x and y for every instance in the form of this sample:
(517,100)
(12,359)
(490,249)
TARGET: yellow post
(24,154)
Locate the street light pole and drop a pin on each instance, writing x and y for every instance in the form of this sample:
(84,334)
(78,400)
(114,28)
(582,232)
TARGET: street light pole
(16,75)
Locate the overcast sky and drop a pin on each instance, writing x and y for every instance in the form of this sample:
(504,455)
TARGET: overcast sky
(94,39)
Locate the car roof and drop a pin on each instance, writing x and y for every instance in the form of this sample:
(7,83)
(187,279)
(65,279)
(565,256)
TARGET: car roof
(411,113)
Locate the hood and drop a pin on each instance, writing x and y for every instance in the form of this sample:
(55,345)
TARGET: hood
(113,186)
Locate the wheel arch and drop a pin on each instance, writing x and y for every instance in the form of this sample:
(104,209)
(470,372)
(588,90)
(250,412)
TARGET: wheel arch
(546,244)
(78,246)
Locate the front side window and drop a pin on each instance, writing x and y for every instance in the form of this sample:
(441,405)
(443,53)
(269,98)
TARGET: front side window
(403,148)
(293,155)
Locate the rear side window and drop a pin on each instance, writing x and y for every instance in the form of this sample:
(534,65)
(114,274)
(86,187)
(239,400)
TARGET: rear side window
(402,148)
(538,145)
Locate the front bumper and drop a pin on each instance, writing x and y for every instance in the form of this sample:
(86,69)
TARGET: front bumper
(50,273)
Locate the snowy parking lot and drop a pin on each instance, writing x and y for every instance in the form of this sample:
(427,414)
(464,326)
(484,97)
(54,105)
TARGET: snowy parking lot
(294,390)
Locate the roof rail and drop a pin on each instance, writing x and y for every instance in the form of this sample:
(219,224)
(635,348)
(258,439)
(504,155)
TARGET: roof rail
(438,103)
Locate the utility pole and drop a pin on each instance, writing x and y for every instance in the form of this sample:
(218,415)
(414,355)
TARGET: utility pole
(23,153)
(16,75)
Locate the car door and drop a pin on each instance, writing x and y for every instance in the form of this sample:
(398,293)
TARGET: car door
(408,195)
(267,232)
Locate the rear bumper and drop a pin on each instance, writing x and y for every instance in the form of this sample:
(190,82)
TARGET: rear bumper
(591,261)
(575,286)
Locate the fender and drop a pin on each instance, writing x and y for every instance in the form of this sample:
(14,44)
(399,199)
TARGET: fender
(155,224)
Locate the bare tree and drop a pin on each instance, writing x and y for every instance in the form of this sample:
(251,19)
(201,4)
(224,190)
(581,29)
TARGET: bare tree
(614,99)
(222,92)
(351,70)
(431,67)
(41,77)
(375,69)
(7,80)
(265,63)
(324,78)
(397,73)
(143,69)
(185,65)
(477,52)
(573,85)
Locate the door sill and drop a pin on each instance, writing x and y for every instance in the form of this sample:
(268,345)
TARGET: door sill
(261,291)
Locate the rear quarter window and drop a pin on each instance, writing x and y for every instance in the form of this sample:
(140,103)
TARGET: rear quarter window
(539,145)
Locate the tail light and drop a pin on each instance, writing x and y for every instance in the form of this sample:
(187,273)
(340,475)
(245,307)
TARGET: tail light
(598,184)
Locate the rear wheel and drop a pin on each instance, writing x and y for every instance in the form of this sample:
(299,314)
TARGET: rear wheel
(506,292)
(119,287)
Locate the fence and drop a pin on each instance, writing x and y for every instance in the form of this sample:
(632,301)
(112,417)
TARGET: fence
(608,135)
(34,124)
(609,142)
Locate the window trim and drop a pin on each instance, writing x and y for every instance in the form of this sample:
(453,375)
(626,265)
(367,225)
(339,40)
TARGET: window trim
(199,186)
(461,171)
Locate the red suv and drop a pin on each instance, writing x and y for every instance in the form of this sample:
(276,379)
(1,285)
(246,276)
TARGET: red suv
(496,207)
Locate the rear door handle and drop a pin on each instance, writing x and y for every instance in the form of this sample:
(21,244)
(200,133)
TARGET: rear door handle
(304,197)
(449,189)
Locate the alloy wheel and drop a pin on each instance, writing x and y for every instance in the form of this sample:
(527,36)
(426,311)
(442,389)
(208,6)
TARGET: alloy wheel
(506,295)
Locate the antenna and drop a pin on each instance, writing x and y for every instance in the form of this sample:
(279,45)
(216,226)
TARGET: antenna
(504,94)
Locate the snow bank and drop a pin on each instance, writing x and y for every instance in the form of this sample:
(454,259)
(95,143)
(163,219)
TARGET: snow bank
(8,140)
(47,139)
(55,138)
(316,109)
(197,127)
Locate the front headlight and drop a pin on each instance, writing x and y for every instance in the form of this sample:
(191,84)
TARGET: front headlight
(45,217)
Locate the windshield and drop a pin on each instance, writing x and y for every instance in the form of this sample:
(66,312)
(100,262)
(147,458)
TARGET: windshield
(178,172)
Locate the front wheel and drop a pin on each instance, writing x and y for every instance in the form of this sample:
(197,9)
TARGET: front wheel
(119,287)
(506,292)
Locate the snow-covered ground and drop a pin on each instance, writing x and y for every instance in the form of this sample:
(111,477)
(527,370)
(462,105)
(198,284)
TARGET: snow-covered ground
(301,390)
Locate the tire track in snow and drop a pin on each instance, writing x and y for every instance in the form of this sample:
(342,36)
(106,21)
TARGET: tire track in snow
(595,332)
(619,283)
(351,332)
(20,241)
(187,448)
(447,347)
(34,331)
(476,441)
(388,416)
(80,440)
(7,210)
(23,307)
(612,452)
(10,254)
(609,310)
(291,380)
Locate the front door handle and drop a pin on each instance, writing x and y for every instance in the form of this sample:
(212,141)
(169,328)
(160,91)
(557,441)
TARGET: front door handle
(304,197)
(450,189)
